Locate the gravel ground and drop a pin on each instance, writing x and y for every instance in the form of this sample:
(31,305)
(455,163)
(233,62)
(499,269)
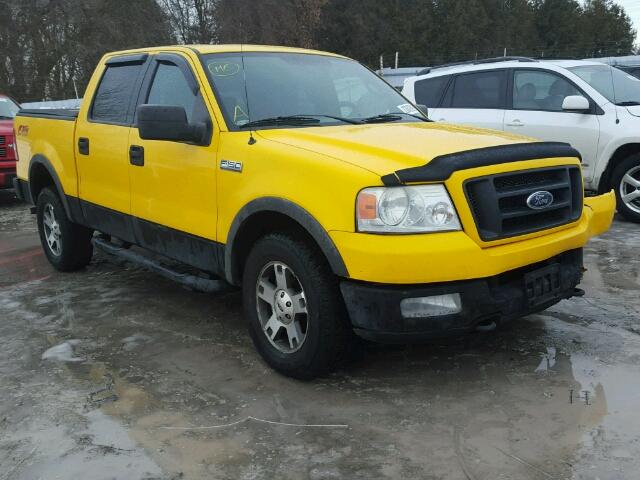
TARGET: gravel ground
(114,372)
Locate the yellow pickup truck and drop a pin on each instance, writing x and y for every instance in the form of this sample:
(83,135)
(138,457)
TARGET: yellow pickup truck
(306,180)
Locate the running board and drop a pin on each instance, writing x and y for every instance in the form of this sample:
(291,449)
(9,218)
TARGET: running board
(194,282)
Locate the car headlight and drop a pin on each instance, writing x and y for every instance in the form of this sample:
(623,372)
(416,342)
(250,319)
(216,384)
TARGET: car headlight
(415,209)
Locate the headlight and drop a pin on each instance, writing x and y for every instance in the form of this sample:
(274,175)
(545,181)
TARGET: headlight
(421,208)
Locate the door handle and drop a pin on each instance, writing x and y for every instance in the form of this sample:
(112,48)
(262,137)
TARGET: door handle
(83,146)
(136,155)
(515,123)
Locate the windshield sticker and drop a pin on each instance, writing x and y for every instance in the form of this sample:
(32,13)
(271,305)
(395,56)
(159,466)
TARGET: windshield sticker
(239,116)
(408,108)
(223,69)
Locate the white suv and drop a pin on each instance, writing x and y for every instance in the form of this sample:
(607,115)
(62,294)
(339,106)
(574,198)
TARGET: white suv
(594,107)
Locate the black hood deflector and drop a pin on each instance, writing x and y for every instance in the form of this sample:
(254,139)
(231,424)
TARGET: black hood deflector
(443,166)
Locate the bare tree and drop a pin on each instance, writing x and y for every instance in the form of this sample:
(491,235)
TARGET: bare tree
(192,20)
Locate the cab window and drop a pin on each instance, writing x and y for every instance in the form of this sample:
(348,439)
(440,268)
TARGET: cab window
(114,94)
(170,87)
(538,90)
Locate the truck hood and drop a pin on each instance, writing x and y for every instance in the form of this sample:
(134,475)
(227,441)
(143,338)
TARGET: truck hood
(6,127)
(384,148)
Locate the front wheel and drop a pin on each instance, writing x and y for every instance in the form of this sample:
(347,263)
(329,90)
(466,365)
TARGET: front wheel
(67,245)
(626,182)
(292,301)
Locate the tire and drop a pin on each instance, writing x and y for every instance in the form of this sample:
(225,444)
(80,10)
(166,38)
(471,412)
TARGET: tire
(67,245)
(622,181)
(312,297)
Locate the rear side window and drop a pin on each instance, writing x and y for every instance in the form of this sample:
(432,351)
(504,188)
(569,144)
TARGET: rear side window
(429,91)
(113,97)
(480,90)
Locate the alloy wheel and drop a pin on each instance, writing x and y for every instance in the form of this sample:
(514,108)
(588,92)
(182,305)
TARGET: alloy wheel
(52,232)
(630,189)
(282,307)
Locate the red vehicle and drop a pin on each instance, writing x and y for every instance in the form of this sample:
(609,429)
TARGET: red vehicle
(8,110)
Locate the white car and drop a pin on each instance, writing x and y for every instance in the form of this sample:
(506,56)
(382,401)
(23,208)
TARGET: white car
(592,106)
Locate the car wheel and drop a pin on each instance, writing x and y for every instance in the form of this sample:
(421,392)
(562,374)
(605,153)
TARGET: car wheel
(626,182)
(294,308)
(67,245)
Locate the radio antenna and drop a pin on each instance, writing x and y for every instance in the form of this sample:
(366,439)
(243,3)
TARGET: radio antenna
(615,100)
(252,140)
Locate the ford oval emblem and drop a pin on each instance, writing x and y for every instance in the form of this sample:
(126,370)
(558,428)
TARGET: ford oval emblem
(540,200)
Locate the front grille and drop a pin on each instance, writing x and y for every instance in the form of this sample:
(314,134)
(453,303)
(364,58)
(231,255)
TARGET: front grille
(499,202)
(3,140)
(3,148)
(3,152)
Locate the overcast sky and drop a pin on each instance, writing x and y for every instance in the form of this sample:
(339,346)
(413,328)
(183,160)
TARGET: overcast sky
(632,7)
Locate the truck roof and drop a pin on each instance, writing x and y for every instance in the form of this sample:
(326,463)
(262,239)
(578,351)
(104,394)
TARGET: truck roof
(225,48)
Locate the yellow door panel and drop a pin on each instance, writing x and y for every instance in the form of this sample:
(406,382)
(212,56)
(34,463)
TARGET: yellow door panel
(176,185)
(103,174)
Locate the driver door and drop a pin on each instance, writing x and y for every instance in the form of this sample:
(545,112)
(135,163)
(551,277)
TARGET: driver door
(173,184)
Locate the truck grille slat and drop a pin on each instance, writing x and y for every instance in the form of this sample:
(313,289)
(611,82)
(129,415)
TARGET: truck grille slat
(499,202)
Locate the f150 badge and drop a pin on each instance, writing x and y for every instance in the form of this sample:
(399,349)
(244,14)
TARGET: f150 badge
(539,200)
(231,165)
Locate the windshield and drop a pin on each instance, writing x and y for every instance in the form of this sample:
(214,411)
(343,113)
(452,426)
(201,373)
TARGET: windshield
(617,86)
(8,109)
(318,89)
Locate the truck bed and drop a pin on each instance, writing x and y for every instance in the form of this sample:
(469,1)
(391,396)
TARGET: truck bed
(48,135)
(51,113)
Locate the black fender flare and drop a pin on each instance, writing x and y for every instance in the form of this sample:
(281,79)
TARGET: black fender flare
(294,212)
(39,159)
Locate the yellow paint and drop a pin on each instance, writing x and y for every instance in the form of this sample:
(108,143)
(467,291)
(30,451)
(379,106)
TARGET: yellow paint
(321,169)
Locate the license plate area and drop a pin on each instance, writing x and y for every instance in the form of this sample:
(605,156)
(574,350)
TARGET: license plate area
(542,285)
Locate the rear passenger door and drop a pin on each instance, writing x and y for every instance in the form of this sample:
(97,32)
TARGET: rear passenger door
(475,98)
(101,143)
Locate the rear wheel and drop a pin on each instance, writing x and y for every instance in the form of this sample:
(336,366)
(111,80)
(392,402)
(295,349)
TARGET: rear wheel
(294,308)
(626,182)
(67,245)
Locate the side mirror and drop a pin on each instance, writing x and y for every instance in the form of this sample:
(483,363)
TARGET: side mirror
(424,109)
(168,122)
(576,103)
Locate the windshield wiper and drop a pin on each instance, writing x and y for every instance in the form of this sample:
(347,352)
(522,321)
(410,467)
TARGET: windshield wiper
(392,117)
(631,103)
(384,118)
(293,120)
(296,120)
(5,117)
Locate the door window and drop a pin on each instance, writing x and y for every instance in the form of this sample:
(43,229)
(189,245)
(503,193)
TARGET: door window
(113,97)
(480,90)
(537,90)
(171,88)
(429,91)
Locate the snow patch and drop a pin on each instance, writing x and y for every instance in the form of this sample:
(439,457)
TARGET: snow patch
(62,352)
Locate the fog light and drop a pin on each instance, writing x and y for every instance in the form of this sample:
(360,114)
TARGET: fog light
(431,306)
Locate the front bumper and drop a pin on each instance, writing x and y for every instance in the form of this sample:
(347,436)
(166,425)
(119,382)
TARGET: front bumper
(376,314)
(453,256)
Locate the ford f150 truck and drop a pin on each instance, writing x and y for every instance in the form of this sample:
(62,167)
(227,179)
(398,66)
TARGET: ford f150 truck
(306,180)
(8,110)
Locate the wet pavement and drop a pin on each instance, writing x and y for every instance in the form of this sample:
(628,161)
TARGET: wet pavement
(114,372)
